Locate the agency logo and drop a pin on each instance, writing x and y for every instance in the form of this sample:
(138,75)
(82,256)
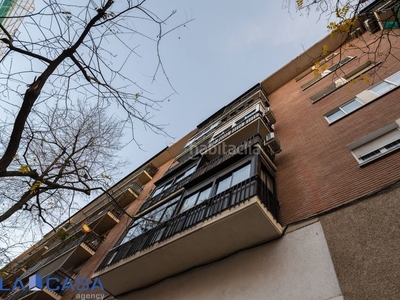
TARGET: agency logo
(56,284)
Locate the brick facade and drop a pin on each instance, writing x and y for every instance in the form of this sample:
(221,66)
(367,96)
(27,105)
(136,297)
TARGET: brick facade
(316,171)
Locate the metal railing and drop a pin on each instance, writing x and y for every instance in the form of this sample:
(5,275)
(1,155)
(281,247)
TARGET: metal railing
(241,148)
(209,208)
(55,286)
(90,239)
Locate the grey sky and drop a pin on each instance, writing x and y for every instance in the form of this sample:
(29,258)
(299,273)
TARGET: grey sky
(229,47)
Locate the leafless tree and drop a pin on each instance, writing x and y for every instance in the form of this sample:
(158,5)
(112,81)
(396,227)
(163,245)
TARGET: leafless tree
(54,145)
(350,18)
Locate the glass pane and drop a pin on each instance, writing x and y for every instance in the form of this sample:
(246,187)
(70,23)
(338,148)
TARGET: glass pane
(335,116)
(190,171)
(189,202)
(395,78)
(224,184)
(351,106)
(205,194)
(393,145)
(167,185)
(241,175)
(169,212)
(157,191)
(382,88)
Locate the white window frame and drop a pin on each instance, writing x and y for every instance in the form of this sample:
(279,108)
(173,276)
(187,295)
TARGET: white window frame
(328,71)
(376,144)
(364,98)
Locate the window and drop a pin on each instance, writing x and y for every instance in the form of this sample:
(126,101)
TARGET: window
(327,72)
(344,110)
(151,219)
(178,178)
(377,144)
(162,188)
(196,198)
(234,178)
(343,81)
(387,85)
(309,70)
(364,98)
(186,173)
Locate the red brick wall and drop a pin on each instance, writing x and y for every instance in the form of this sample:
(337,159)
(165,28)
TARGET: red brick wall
(316,171)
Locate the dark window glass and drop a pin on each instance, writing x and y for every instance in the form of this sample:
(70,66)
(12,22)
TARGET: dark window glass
(196,198)
(151,219)
(234,178)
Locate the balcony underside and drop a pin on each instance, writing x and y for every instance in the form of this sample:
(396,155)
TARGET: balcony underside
(127,197)
(240,227)
(104,223)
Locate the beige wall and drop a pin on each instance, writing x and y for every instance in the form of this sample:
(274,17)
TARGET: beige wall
(297,266)
(364,241)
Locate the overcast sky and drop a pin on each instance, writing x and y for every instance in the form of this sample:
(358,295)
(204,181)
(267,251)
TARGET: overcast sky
(228,48)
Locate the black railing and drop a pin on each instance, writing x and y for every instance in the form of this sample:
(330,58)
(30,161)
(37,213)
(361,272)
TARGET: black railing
(241,148)
(150,202)
(197,214)
(91,240)
(54,285)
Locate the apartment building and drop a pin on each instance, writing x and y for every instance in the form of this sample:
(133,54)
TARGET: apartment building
(290,191)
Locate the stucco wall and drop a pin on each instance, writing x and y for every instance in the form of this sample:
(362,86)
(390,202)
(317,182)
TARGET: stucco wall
(364,241)
(297,266)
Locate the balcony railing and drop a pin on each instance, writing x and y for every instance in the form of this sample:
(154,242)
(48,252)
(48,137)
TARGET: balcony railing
(150,202)
(55,287)
(197,214)
(91,240)
(241,148)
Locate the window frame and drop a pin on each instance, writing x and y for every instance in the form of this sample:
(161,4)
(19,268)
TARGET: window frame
(327,72)
(365,97)
(196,202)
(174,201)
(376,145)
(342,81)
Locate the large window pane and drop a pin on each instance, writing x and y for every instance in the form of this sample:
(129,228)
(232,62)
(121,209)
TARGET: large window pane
(205,194)
(351,106)
(240,175)
(168,213)
(189,202)
(394,78)
(382,88)
(224,184)
(335,116)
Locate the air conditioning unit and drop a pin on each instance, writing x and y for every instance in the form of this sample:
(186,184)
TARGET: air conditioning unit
(371,25)
(273,142)
(270,115)
(356,33)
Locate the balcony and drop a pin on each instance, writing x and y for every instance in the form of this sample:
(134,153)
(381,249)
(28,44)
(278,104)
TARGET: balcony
(243,216)
(98,223)
(212,165)
(257,124)
(45,293)
(127,194)
(72,254)
(147,174)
